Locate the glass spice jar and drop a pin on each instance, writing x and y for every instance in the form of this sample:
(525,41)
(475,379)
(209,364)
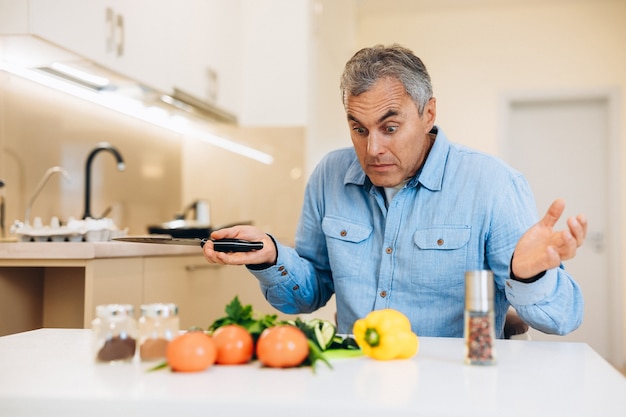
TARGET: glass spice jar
(158,325)
(115,333)
(479,326)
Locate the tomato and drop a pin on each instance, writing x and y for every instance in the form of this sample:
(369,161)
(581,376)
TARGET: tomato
(234,344)
(191,352)
(282,346)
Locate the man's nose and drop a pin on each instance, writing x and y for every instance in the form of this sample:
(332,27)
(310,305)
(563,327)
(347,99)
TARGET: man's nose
(375,144)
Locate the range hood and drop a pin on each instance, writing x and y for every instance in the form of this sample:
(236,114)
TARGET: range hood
(30,57)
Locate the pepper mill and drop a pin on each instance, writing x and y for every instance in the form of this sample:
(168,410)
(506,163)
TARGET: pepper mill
(479,328)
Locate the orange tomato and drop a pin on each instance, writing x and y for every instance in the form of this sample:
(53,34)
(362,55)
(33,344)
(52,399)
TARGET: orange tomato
(282,346)
(234,344)
(191,352)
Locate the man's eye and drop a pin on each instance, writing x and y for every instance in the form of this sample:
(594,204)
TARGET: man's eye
(359,130)
(391,129)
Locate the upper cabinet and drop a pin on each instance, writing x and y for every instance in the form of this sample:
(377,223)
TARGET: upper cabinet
(247,57)
(148,40)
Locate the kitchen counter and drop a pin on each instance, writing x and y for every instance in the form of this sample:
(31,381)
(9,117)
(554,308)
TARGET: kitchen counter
(51,372)
(59,284)
(18,251)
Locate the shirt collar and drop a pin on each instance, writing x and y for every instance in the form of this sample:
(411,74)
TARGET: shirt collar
(430,176)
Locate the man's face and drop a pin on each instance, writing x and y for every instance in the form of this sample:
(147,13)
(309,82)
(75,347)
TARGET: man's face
(390,138)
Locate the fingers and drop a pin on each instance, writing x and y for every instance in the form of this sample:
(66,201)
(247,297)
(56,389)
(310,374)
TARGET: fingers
(578,228)
(265,255)
(554,213)
(237,232)
(573,237)
(577,225)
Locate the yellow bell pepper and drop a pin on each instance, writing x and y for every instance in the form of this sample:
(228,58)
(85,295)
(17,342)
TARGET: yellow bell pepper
(386,334)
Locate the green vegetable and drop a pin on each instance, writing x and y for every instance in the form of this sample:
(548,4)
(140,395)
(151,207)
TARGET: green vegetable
(324,332)
(324,343)
(158,366)
(236,313)
(342,353)
(321,334)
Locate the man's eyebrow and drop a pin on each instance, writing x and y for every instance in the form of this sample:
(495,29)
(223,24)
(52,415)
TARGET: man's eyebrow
(390,113)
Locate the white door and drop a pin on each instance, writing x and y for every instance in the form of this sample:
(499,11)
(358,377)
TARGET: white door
(563,146)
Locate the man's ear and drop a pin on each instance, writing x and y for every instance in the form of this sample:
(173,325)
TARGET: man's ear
(430,113)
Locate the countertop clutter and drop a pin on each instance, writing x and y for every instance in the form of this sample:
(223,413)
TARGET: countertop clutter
(52,372)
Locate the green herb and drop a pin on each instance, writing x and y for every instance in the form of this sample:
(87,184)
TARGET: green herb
(236,313)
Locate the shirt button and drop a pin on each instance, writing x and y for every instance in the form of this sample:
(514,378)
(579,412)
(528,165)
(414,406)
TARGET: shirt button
(281,268)
(283,273)
(343,233)
(383,294)
(388,250)
(296,287)
(439,242)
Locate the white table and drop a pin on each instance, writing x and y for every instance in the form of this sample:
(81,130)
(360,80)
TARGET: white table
(51,372)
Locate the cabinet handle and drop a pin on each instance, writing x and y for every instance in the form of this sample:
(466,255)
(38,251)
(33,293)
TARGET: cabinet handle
(192,268)
(110,23)
(121,34)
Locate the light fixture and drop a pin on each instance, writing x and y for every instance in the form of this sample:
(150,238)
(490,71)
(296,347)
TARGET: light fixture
(85,86)
(78,75)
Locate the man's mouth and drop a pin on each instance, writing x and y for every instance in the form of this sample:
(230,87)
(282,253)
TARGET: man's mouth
(380,166)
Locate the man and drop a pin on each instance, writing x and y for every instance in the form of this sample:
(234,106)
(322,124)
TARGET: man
(396,220)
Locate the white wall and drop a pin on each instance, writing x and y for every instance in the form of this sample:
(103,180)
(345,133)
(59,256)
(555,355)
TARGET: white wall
(477,53)
(333,39)
(275,69)
(480,51)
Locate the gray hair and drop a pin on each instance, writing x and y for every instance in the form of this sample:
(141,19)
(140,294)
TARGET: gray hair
(369,65)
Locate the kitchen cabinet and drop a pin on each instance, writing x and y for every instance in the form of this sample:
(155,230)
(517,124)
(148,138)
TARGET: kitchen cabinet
(59,284)
(201,290)
(47,284)
(132,38)
(188,45)
(247,57)
(38,293)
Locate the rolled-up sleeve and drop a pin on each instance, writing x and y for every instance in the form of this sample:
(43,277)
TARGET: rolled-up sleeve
(552,304)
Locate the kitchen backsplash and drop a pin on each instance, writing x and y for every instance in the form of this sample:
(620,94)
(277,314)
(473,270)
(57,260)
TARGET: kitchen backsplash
(41,128)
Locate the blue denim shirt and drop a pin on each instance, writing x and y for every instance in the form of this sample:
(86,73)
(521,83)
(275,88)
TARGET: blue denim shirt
(464,210)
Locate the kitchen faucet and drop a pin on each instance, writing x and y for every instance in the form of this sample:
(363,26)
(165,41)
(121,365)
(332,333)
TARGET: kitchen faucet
(40,186)
(102,146)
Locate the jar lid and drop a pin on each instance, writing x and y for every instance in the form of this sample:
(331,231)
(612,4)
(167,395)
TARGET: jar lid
(479,290)
(159,310)
(115,310)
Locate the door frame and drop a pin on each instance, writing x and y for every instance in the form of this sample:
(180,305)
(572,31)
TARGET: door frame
(616,279)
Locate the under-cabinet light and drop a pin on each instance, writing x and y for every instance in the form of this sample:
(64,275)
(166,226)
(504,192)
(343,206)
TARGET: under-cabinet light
(81,76)
(137,109)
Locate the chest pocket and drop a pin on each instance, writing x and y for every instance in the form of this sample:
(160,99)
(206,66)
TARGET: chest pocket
(346,241)
(442,238)
(441,256)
